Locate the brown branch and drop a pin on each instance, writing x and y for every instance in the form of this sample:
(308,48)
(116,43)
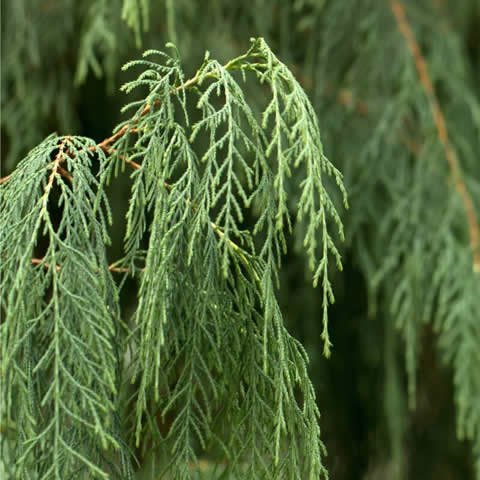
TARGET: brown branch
(39,261)
(108,149)
(439,119)
(55,169)
(104,144)
(46,265)
(65,174)
(118,269)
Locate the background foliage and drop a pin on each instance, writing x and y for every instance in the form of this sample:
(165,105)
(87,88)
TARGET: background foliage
(395,86)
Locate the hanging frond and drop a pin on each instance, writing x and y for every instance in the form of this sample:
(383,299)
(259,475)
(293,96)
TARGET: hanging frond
(197,180)
(97,39)
(136,15)
(226,168)
(59,359)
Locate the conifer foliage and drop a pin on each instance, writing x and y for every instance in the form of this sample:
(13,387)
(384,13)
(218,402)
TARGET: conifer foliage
(207,343)
(154,283)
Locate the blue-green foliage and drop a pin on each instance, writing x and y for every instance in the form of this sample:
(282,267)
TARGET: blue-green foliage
(411,234)
(247,121)
(207,345)
(59,353)
(197,202)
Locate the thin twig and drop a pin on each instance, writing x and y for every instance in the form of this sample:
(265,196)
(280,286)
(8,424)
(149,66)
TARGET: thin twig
(439,119)
(46,265)
(108,149)
(39,261)
(65,174)
(105,145)
(55,170)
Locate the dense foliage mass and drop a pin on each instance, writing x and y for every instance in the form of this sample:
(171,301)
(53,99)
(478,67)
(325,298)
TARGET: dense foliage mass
(154,287)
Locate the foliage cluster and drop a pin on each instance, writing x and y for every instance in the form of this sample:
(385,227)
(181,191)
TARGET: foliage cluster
(394,86)
(207,342)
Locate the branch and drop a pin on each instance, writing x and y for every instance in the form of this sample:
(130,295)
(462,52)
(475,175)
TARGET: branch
(55,170)
(439,119)
(105,145)
(39,261)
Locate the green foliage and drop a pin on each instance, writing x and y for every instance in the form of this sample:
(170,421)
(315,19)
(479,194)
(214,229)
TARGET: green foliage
(136,14)
(228,172)
(98,39)
(207,317)
(414,239)
(61,315)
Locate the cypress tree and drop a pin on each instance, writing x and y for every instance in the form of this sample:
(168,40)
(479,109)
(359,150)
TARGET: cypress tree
(250,213)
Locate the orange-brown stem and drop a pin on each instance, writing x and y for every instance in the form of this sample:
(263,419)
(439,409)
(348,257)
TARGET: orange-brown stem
(39,261)
(439,119)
